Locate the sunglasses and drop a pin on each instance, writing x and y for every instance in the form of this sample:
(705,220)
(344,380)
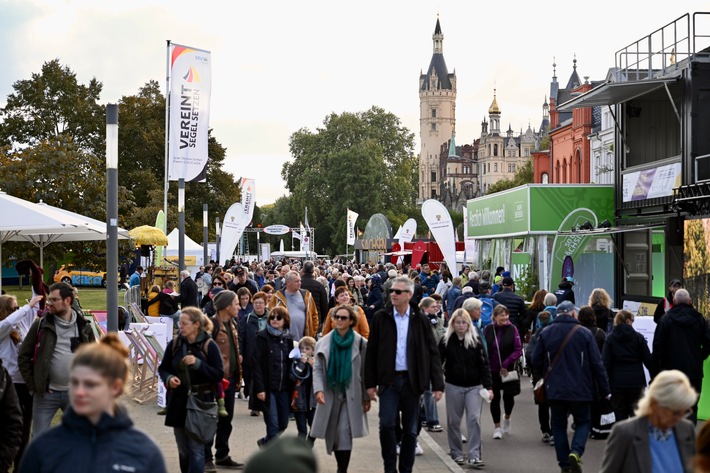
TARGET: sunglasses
(398,291)
(275,317)
(217,284)
(341,317)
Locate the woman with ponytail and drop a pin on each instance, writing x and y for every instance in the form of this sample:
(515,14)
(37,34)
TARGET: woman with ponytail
(15,321)
(96,433)
(339,385)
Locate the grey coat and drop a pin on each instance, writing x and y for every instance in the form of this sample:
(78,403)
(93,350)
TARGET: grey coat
(627,449)
(356,392)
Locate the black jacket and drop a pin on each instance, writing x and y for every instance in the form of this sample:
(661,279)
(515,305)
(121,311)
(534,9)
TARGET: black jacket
(320,296)
(625,354)
(564,292)
(77,446)
(270,367)
(423,362)
(516,307)
(208,371)
(682,341)
(463,366)
(188,293)
(603,315)
(10,419)
(375,298)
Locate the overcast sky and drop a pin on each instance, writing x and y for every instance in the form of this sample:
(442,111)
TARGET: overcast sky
(279,66)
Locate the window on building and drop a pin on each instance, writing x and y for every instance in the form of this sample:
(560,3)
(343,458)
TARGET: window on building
(513,167)
(489,150)
(495,149)
(433,113)
(433,127)
(433,193)
(489,167)
(433,176)
(527,152)
(495,167)
(545,178)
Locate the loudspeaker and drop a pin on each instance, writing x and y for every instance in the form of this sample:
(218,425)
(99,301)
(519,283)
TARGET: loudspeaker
(674,231)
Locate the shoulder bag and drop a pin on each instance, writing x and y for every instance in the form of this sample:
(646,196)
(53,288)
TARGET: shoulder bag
(513,374)
(201,418)
(539,389)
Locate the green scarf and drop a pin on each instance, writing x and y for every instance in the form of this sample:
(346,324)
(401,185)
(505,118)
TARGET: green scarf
(340,368)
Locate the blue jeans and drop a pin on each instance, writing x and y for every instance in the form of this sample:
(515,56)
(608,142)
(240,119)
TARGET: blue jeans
(395,398)
(304,419)
(276,416)
(431,413)
(45,407)
(190,452)
(583,423)
(224,425)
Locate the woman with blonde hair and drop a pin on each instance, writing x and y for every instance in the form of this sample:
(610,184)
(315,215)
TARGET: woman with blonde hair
(467,375)
(659,439)
(191,359)
(96,433)
(600,301)
(343,296)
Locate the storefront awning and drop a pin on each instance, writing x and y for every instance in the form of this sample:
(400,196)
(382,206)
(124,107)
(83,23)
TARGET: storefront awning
(611,93)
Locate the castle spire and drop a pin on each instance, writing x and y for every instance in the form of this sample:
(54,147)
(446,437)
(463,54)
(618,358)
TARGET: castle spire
(438,38)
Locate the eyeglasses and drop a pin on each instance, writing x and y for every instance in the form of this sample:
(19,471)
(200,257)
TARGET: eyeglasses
(217,284)
(275,317)
(341,317)
(398,291)
(54,299)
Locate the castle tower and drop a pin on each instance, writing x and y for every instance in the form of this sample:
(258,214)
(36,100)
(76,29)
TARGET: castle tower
(437,117)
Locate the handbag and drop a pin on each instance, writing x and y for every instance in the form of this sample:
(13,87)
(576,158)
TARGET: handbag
(539,389)
(201,417)
(513,375)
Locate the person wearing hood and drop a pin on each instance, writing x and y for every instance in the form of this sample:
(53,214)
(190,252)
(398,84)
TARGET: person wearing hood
(564,291)
(625,354)
(45,366)
(682,342)
(375,298)
(96,433)
(271,385)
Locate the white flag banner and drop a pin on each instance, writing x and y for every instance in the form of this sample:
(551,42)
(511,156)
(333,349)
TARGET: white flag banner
(296,235)
(398,234)
(441,227)
(352,217)
(409,229)
(232,229)
(190,88)
(304,239)
(248,188)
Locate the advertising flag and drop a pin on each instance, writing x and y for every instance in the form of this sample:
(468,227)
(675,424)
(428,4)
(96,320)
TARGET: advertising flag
(352,216)
(408,230)
(440,225)
(248,188)
(304,239)
(232,229)
(190,88)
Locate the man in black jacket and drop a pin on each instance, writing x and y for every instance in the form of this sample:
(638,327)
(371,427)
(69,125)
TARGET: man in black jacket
(188,290)
(682,342)
(317,290)
(11,421)
(402,362)
(514,303)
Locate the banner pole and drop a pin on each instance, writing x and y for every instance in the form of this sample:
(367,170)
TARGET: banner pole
(167,137)
(181,224)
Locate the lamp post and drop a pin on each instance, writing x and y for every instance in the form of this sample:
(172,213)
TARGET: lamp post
(112,217)
(205,235)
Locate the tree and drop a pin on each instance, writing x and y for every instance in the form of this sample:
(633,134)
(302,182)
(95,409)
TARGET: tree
(524,175)
(53,104)
(363,161)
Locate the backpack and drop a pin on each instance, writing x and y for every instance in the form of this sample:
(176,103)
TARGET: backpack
(486,311)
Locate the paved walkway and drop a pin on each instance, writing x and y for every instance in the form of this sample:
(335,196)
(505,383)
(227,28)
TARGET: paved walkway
(366,452)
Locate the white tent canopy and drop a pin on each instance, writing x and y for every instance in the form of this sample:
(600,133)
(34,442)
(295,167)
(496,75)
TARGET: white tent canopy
(43,224)
(191,249)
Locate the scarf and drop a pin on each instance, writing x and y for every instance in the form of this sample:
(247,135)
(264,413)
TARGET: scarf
(276,332)
(340,367)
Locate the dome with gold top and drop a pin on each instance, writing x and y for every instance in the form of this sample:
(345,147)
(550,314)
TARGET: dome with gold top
(494,106)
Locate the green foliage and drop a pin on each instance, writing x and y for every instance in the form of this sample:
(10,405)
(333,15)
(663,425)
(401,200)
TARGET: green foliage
(696,262)
(545,142)
(524,175)
(363,161)
(526,284)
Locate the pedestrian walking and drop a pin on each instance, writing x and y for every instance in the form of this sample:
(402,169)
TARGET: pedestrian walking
(543,407)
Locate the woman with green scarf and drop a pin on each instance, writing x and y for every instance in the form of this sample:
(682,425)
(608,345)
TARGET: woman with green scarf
(339,385)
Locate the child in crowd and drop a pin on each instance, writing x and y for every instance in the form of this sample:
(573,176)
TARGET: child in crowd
(303,401)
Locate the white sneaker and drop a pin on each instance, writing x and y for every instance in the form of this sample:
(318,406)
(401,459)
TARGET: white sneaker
(398,448)
(506,426)
(418,450)
(498,433)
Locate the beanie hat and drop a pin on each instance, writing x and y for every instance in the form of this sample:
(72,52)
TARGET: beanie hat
(223,299)
(291,451)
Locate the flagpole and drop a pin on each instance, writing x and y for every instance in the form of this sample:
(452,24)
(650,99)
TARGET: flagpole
(308,248)
(167,137)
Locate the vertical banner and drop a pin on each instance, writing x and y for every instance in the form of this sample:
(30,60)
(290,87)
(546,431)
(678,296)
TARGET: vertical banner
(304,238)
(441,227)
(232,229)
(190,88)
(465,234)
(248,188)
(160,223)
(352,217)
(406,235)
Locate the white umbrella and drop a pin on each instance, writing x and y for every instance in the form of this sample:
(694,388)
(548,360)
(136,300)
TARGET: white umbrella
(42,224)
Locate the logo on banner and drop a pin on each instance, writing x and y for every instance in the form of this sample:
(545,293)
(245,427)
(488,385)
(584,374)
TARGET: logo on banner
(192,75)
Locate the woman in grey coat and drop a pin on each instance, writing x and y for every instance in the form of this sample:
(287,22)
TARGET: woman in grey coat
(339,385)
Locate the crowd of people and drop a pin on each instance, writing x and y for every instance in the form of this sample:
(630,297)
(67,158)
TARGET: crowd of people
(320,343)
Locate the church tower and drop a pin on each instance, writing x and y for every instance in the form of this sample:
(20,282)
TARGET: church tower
(437,117)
